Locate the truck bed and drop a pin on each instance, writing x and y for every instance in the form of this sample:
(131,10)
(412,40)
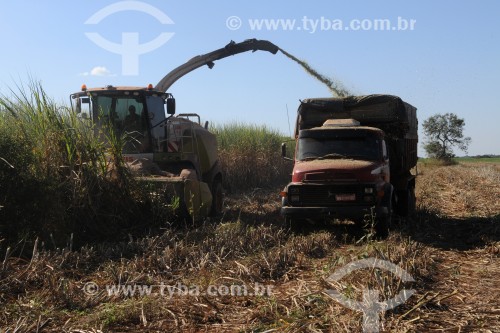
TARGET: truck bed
(387,112)
(395,117)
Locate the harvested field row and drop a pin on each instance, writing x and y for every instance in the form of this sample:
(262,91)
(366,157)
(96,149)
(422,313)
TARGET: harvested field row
(454,261)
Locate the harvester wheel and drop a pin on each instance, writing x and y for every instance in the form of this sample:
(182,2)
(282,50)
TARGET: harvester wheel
(217,198)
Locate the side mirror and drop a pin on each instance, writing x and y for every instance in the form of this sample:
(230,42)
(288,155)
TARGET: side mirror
(171,105)
(385,154)
(283,152)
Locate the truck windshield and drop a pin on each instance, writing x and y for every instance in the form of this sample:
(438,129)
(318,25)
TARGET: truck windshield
(363,148)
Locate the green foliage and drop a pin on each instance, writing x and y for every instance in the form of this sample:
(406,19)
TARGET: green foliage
(245,136)
(477,159)
(443,133)
(60,175)
(250,156)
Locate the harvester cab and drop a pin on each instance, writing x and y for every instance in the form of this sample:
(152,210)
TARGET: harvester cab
(174,151)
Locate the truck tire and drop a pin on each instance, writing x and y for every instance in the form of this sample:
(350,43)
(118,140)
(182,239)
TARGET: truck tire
(217,198)
(287,223)
(406,202)
(383,222)
(292,224)
(412,202)
(382,226)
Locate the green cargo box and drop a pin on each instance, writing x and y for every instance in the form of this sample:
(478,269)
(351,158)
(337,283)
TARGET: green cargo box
(387,112)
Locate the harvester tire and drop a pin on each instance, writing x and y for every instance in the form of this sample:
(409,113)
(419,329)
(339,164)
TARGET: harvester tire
(217,198)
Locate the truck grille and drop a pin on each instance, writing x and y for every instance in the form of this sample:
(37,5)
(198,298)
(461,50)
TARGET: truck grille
(327,195)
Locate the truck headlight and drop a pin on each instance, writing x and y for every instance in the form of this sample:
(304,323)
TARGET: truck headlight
(369,190)
(294,194)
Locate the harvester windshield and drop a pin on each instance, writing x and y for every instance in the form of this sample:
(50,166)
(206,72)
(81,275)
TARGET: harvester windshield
(131,113)
(126,114)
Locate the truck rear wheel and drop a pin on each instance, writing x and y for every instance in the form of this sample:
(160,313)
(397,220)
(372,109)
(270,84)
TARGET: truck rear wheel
(406,202)
(412,202)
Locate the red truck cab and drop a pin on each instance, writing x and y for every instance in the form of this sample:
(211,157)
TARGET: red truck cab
(343,167)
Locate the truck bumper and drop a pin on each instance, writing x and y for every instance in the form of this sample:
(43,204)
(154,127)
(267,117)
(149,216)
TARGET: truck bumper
(349,212)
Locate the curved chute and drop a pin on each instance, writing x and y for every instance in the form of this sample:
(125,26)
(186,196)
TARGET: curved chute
(208,59)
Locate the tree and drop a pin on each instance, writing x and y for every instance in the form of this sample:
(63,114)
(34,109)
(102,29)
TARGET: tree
(443,133)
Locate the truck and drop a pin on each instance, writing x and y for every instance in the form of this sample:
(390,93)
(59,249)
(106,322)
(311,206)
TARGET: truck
(353,161)
(175,152)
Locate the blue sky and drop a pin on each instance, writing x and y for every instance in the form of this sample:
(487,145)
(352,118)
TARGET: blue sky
(449,62)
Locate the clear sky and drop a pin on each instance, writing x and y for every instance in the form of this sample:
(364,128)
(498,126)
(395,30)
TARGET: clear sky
(448,62)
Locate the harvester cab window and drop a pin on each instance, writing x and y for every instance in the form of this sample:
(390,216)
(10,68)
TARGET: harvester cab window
(132,121)
(124,114)
(128,111)
(83,107)
(103,108)
(156,114)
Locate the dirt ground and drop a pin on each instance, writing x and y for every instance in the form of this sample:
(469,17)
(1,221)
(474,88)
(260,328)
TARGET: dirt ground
(451,248)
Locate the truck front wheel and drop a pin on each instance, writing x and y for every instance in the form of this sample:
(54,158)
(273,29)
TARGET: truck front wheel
(382,226)
(383,218)
(292,224)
